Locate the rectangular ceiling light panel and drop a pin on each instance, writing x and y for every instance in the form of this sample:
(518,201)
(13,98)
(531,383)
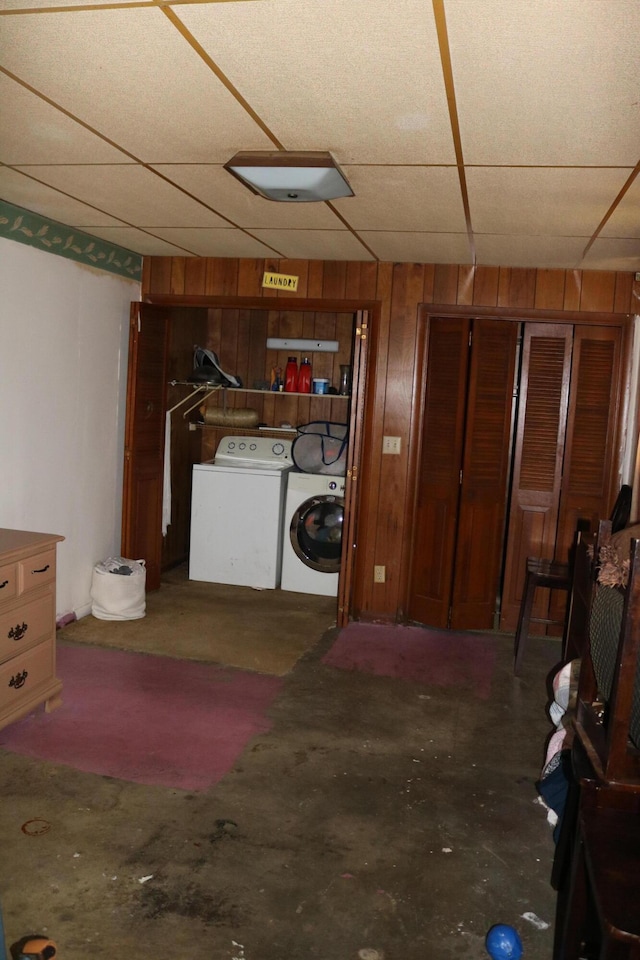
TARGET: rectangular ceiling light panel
(290,176)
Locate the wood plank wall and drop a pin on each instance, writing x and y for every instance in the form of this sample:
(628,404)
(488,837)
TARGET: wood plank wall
(399,289)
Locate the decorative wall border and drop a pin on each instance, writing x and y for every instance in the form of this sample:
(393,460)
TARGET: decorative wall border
(52,237)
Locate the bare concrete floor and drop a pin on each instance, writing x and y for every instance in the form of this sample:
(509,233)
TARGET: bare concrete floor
(378,819)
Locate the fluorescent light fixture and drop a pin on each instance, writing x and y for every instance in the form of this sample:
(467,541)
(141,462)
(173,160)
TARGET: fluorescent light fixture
(306,346)
(290,176)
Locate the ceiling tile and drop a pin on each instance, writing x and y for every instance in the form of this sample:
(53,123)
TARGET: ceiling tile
(625,219)
(519,251)
(35,132)
(613,254)
(143,243)
(314,244)
(215,186)
(130,75)
(215,243)
(24,192)
(541,200)
(424,199)
(130,192)
(418,247)
(546,82)
(361,78)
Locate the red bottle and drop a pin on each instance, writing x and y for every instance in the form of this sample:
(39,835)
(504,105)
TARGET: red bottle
(304,376)
(291,375)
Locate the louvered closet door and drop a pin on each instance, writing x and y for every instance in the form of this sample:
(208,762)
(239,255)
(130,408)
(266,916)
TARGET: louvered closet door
(438,478)
(485,470)
(588,492)
(539,450)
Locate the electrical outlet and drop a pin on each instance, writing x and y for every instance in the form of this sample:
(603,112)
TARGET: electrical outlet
(379,574)
(391,444)
(638,275)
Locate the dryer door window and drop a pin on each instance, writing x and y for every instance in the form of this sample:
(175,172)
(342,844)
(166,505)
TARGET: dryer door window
(316,532)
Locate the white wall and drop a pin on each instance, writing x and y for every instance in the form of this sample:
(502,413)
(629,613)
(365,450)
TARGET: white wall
(64,331)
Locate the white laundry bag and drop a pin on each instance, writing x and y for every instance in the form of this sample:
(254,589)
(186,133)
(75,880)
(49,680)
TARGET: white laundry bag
(118,589)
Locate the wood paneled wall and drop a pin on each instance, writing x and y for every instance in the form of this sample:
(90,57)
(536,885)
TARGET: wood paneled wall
(398,289)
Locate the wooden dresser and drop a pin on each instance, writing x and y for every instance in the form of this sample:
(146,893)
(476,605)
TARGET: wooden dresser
(27,623)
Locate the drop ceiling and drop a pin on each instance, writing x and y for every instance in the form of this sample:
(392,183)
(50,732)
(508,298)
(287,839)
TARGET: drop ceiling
(495,132)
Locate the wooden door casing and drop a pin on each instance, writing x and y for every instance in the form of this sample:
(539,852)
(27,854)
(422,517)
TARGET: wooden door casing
(144,438)
(558,470)
(149,365)
(354,456)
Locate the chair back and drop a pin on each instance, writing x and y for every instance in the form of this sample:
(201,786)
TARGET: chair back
(608,702)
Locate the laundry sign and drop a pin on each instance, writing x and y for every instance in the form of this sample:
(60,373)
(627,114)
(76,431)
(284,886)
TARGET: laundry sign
(281,281)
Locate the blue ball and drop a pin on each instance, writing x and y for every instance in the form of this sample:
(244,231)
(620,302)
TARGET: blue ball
(503,943)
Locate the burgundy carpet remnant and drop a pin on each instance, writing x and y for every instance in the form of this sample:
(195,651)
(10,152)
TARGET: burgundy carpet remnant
(147,719)
(441,658)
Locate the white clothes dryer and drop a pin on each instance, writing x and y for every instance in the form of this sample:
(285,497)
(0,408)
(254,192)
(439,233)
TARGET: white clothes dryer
(312,533)
(237,506)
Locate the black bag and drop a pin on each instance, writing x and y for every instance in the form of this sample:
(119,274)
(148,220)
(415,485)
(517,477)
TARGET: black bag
(207,369)
(321,447)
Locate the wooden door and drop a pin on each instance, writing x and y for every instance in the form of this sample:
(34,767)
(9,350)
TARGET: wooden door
(356,433)
(538,458)
(463,472)
(144,438)
(570,408)
(485,473)
(438,472)
(589,486)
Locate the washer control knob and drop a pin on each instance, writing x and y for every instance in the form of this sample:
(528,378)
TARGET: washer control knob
(231,445)
(278,449)
(241,446)
(253,446)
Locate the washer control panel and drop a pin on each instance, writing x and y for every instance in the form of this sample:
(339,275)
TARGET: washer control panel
(259,450)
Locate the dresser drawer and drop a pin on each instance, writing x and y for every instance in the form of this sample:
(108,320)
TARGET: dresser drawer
(36,570)
(26,624)
(8,582)
(20,677)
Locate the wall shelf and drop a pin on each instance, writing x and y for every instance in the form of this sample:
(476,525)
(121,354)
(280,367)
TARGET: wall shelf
(262,393)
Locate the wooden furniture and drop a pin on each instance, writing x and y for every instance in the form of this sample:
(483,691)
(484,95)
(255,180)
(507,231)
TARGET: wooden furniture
(27,623)
(607,720)
(540,573)
(603,817)
(556,575)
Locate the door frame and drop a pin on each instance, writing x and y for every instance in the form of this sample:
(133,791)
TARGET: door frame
(508,314)
(363,398)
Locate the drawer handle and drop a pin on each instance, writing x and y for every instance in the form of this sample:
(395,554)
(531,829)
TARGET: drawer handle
(3,584)
(19,680)
(44,569)
(18,632)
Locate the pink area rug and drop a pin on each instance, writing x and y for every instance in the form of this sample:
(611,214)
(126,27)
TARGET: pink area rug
(147,719)
(437,657)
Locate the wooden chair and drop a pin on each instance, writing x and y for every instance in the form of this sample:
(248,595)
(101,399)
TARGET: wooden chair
(602,896)
(540,573)
(557,575)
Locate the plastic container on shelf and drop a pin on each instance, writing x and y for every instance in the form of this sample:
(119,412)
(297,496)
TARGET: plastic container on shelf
(304,376)
(291,375)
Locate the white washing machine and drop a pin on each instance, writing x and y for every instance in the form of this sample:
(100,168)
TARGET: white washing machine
(312,533)
(237,509)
